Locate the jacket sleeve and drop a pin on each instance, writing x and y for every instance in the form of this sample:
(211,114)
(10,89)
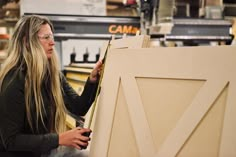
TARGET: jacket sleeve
(13,118)
(79,104)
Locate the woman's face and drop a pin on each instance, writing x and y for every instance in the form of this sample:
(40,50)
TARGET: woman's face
(46,39)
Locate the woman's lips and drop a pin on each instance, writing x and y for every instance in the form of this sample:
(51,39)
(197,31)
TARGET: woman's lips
(50,50)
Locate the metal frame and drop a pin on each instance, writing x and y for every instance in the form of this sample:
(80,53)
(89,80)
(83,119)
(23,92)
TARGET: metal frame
(87,27)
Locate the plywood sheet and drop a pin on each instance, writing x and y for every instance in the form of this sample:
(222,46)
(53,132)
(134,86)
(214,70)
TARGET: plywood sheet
(171,102)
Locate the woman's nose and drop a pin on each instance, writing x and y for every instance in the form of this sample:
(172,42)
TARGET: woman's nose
(52,42)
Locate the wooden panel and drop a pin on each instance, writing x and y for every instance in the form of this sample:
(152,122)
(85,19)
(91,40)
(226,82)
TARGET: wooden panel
(77,77)
(171,102)
(167,102)
(138,41)
(122,120)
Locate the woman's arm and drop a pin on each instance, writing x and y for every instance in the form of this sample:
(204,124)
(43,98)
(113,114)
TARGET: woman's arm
(14,134)
(80,105)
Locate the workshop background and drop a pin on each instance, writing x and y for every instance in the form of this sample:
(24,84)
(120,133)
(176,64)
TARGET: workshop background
(82,27)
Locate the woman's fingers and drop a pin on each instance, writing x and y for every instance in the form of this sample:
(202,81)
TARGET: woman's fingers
(96,70)
(75,138)
(83,130)
(81,143)
(81,139)
(76,146)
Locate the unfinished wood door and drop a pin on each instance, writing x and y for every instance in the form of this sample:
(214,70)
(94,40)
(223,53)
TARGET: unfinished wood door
(138,41)
(167,102)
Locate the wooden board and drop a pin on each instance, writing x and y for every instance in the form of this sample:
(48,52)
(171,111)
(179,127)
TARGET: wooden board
(138,41)
(167,102)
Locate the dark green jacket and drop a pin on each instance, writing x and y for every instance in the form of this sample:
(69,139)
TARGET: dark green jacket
(16,137)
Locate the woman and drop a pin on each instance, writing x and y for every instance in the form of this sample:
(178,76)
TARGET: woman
(35,97)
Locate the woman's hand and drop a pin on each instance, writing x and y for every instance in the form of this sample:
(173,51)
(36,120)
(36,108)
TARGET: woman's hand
(74,138)
(96,72)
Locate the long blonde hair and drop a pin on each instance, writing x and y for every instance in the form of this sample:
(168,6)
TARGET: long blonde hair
(25,51)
